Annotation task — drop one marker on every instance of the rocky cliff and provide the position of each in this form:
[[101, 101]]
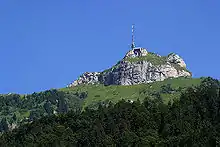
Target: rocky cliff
[[138, 66]]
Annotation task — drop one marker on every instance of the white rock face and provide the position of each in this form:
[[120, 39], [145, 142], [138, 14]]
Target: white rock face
[[87, 78], [131, 73], [174, 58], [128, 73]]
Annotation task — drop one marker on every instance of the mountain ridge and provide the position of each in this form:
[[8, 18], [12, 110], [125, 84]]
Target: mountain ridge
[[138, 66], [138, 75]]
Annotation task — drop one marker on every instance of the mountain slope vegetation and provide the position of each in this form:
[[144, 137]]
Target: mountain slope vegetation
[[169, 89], [17, 109], [191, 120]]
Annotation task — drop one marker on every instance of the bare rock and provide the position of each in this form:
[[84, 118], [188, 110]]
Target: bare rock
[[86, 78], [176, 59], [126, 72]]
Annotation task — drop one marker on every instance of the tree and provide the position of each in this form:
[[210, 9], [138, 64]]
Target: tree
[[4, 125], [166, 89]]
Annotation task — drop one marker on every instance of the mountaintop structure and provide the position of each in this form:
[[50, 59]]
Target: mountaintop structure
[[138, 66]]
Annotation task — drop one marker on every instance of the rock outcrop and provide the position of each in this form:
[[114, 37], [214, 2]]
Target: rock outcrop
[[87, 78], [174, 58], [138, 66]]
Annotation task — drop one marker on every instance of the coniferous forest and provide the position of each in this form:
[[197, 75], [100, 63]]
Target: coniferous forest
[[192, 120]]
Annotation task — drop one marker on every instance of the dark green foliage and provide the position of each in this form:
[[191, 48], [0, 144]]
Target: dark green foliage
[[62, 105], [19, 109], [48, 107], [83, 95], [4, 125], [166, 89], [14, 118], [191, 121]]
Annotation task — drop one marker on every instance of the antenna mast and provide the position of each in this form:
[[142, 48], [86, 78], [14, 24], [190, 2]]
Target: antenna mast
[[133, 44]]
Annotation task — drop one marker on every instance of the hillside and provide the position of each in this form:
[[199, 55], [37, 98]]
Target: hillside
[[17, 109], [193, 120], [168, 89], [138, 80], [140, 74]]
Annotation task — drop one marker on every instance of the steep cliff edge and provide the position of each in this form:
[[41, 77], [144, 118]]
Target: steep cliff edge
[[137, 67]]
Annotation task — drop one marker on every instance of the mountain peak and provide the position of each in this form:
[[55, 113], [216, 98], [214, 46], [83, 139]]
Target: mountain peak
[[138, 66]]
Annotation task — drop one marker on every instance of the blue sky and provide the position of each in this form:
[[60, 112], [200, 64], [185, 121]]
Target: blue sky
[[48, 44]]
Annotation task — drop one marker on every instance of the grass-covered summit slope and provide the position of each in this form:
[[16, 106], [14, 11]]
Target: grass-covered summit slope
[[168, 89], [155, 60], [151, 57]]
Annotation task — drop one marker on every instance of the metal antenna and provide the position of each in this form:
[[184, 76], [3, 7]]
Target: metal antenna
[[133, 44]]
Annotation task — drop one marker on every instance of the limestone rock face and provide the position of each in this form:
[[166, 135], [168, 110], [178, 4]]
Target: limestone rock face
[[126, 72], [176, 59], [86, 78]]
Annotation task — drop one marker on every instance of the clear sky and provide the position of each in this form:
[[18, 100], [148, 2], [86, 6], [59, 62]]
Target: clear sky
[[47, 44]]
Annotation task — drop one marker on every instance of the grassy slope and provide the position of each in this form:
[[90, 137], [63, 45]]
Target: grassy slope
[[151, 57], [155, 60], [97, 93]]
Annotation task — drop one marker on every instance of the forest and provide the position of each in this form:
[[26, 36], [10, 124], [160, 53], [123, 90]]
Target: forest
[[191, 120]]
